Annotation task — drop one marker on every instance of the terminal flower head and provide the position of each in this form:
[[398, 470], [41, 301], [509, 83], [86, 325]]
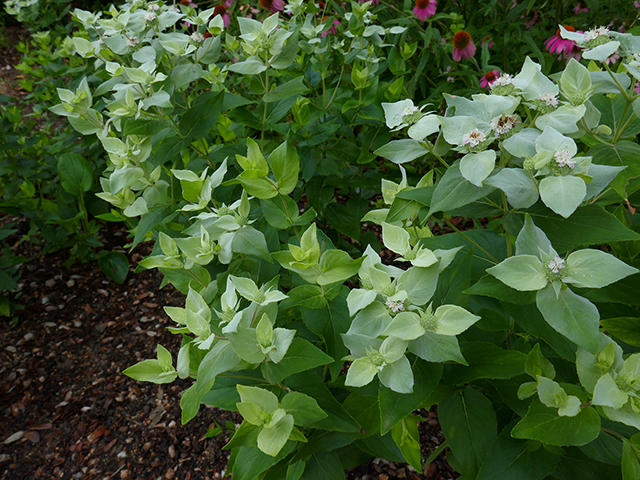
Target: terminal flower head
[[564, 47], [488, 78], [424, 9], [463, 46], [272, 5]]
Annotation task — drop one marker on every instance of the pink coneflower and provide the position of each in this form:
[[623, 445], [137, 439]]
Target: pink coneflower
[[488, 41], [463, 46], [331, 30], [424, 9], [488, 78], [563, 47], [273, 5], [223, 9], [580, 8]]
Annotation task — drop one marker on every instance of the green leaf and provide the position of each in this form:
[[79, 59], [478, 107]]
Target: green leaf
[[486, 360], [626, 329], [406, 436], [323, 466], [563, 194], [511, 459], [150, 371], [115, 265], [305, 410], [545, 425], [420, 283], [489, 286], [401, 151], [250, 241], [401, 209], [590, 268], [300, 356], [522, 272], [453, 191], [200, 119], [309, 296], [272, 439], [312, 384], [395, 406], [292, 87], [532, 321], [337, 266], [285, 165], [221, 358], [280, 212], [623, 153], [521, 189], [476, 167], [76, 174], [571, 315], [590, 225], [250, 462], [469, 424], [630, 463]]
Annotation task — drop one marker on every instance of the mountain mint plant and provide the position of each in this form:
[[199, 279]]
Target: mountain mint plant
[[250, 154]]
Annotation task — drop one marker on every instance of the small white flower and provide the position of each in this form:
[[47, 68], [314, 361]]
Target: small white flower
[[502, 81], [548, 99], [395, 305], [197, 37], [132, 41], [154, 7], [410, 110], [564, 158], [473, 139], [595, 33], [149, 16], [503, 124], [556, 264]]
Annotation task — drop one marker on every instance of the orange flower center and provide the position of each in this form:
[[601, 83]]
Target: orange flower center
[[461, 40], [185, 2], [490, 76], [266, 4], [422, 4], [566, 27], [219, 10]]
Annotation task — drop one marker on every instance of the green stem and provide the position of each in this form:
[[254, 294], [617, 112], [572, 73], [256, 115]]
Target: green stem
[[435, 453]]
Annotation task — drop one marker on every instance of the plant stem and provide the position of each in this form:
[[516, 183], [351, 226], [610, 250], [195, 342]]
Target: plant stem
[[435, 453]]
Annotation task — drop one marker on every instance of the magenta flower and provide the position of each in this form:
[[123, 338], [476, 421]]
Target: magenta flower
[[273, 5], [563, 47], [488, 41], [488, 78], [463, 46], [223, 10], [424, 9]]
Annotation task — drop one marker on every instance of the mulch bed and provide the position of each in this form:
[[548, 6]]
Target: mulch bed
[[67, 411]]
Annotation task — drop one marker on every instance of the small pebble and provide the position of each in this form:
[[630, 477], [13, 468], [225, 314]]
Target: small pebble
[[45, 300], [50, 283], [77, 324], [28, 336]]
